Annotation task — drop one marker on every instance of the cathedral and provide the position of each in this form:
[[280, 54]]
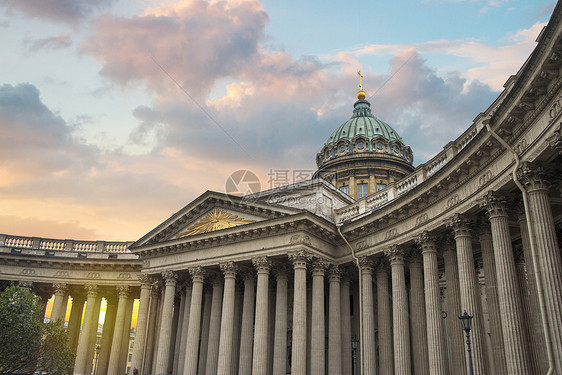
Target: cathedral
[[363, 269]]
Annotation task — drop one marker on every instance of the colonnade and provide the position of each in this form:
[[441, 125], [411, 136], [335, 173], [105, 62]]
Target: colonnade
[[297, 313]]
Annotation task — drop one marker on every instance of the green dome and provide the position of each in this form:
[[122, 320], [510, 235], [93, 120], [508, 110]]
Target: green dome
[[364, 134]]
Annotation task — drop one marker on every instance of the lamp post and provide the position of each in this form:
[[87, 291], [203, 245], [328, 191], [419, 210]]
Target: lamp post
[[354, 343], [97, 357], [466, 321]]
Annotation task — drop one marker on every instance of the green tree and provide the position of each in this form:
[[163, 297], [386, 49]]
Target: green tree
[[21, 330], [26, 343]]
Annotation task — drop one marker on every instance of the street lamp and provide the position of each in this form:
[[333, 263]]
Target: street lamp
[[466, 321], [354, 343], [97, 357]]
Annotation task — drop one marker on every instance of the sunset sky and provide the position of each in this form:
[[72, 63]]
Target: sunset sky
[[114, 114]]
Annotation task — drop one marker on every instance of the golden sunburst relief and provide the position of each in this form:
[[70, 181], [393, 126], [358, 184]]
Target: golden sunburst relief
[[217, 219]]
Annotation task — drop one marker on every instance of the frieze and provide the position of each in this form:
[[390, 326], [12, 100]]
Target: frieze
[[390, 234], [421, 219], [485, 178], [555, 109], [361, 245], [62, 274], [299, 239], [453, 201], [93, 275], [124, 276], [28, 272]]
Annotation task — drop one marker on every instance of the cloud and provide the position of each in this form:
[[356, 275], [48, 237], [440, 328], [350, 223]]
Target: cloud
[[35, 141], [493, 64], [195, 42], [55, 42], [58, 10]]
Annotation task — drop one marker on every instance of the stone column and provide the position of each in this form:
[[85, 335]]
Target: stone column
[[513, 329], [185, 326], [469, 291], [494, 317], [334, 324], [194, 326], [179, 305], [107, 336], [115, 356], [418, 325], [229, 270], [259, 357], [368, 347], [386, 354], [399, 311], [89, 327], [126, 335], [181, 329], [142, 323], [299, 344], [537, 183], [151, 336], [215, 326], [75, 319], [247, 329], [238, 296], [93, 335], [318, 329], [59, 304], [280, 343], [164, 339], [435, 332], [345, 308], [528, 287], [453, 296], [205, 326]]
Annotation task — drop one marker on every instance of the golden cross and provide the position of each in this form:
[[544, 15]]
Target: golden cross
[[360, 76]]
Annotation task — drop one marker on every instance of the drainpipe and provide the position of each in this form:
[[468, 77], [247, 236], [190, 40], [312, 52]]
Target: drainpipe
[[536, 269], [361, 369]]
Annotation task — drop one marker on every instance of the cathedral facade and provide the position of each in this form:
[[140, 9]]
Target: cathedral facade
[[366, 267]]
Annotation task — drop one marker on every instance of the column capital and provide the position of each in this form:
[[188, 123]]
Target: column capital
[[197, 273], [518, 253], [479, 265], [414, 257], [247, 273], [460, 225], [395, 254], [281, 270], [300, 258], [123, 291], [91, 290], [366, 264], [25, 284], [262, 264], [60, 288], [495, 204], [534, 177], [382, 265], [484, 229], [170, 277], [319, 266], [229, 269], [145, 280], [335, 273], [426, 242]]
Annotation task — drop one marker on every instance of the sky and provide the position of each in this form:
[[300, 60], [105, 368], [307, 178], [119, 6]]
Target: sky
[[114, 114]]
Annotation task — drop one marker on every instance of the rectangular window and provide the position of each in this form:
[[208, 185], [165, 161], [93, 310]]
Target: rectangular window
[[345, 189], [380, 187], [362, 190]]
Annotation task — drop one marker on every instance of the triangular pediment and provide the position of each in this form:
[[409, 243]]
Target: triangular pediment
[[216, 219], [212, 212]]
